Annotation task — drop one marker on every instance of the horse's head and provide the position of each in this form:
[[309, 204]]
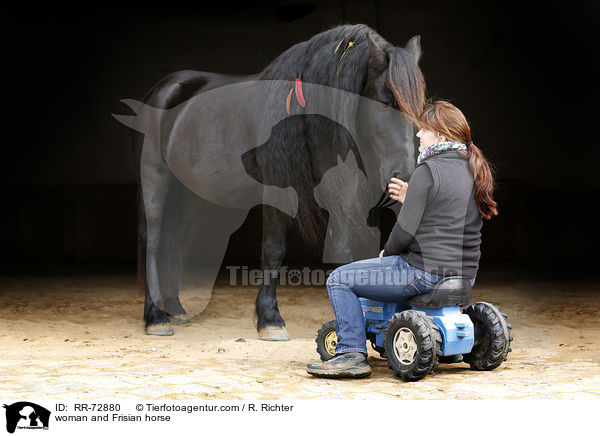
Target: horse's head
[[395, 81]]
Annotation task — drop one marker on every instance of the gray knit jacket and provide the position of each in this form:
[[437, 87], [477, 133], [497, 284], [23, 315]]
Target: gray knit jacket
[[439, 225]]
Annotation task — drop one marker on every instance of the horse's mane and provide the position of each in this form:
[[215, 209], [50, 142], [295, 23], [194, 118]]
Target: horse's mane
[[316, 61]]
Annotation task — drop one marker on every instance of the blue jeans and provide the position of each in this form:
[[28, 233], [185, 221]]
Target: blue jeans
[[388, 278]]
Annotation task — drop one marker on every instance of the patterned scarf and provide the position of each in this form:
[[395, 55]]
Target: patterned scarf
[[434, 149]]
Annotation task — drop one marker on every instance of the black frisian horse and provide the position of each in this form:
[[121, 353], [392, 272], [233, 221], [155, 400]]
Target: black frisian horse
[[350, 58]]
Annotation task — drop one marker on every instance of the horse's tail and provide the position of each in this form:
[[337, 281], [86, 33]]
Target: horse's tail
[[167, 93], [137, 143], [141, 235], [136, 122]]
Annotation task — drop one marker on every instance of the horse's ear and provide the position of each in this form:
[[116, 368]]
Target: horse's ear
[[413, 46], [351, 159], [377, 57]]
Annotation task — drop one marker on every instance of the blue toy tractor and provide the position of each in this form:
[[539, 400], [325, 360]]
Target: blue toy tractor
[[429, 329]]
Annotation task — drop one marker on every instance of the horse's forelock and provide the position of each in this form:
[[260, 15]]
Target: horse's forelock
[[406, 82]]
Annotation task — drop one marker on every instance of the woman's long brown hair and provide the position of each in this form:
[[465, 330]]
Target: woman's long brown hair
[[445, 119]]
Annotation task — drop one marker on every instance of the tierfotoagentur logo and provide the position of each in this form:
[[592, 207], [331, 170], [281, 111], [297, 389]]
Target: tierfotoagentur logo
[[309, 140], [244, 276], [26, 415]]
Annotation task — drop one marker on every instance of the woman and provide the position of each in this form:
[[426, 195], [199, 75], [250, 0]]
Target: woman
[[437, 234]]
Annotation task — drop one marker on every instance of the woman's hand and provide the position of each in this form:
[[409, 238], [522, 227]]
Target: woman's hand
[[381, 254], [397, 189]]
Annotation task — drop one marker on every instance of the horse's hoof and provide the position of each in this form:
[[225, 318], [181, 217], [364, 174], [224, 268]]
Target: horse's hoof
[[180, 319], [163, 329], [272, 333]]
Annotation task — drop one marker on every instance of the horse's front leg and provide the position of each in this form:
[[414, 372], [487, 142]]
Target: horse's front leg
[[271, 326]]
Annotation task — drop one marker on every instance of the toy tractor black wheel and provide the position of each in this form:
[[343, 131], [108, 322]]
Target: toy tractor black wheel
[[492, 337], [413, 345], [327, 340]]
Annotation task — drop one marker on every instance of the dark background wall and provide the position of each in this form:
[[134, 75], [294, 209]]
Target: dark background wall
[[522, 72]]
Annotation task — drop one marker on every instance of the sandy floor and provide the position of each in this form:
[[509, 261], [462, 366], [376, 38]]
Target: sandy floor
[[81, 337]]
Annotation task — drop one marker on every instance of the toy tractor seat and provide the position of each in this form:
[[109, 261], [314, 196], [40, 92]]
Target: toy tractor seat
[[450, 291]]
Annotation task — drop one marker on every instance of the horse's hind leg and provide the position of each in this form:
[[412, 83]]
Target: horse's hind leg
[[271, 326], [161, 249], [157, 320]]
